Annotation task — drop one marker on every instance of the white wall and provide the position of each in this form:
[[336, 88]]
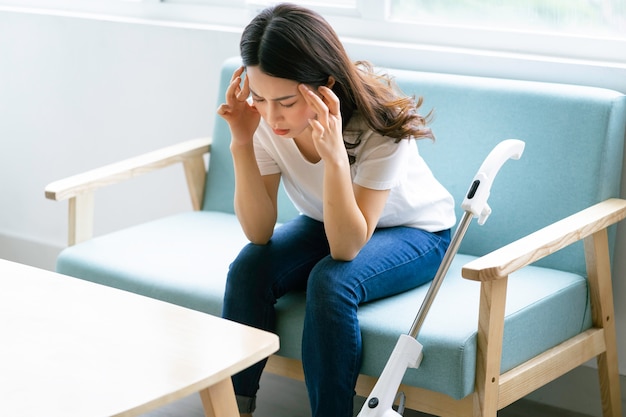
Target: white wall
[[78, 93]]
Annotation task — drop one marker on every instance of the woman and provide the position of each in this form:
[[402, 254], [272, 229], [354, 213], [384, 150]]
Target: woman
[[374, 221]]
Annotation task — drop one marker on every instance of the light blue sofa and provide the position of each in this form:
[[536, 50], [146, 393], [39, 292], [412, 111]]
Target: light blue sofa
[[572, 161]]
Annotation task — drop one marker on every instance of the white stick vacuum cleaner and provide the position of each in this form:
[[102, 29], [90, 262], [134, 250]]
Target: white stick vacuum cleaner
[[408, 351]]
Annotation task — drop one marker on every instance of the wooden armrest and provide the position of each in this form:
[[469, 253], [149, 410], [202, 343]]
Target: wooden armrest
[[501, 262], [114, 173], [80, 189]]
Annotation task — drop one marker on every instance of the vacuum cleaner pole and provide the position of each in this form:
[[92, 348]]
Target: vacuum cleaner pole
[[408, 351], [441, 273]]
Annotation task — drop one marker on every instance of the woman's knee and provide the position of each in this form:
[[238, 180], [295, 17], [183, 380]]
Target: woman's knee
[[329, 285], [245, 275], [249, 259]]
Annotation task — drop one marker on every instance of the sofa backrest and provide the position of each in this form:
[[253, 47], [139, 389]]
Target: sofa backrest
[[573, 156]]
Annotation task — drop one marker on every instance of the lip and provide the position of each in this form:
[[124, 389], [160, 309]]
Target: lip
[[281, 132]]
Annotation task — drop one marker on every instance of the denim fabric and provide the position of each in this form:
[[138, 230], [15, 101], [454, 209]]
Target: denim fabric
[[297, 258]]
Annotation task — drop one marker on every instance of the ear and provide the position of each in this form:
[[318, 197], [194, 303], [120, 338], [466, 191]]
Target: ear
[[331, 82]]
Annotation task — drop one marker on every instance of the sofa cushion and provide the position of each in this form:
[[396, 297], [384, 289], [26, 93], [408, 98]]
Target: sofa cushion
[[182, 259], [160, 259]]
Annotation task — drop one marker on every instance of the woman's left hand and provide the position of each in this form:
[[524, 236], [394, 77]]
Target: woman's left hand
[[327, 130]]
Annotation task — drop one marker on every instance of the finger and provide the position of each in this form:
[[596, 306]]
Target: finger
[[318, 128], [233, 90], [235, 81], [237, 73], [309, 95], [331, 100], [223, 109], [245, 90], [315, 102]]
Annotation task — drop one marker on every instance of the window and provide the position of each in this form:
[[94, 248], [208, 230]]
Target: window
[[595, 18], [593, 30], [589, 30]]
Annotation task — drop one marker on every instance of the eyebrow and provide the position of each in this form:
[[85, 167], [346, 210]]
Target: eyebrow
[[275, 99]]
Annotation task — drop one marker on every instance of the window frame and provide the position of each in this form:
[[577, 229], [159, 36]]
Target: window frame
[[356, 23]]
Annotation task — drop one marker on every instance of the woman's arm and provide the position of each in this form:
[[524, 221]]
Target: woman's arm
[[351, 212], [255, 196]]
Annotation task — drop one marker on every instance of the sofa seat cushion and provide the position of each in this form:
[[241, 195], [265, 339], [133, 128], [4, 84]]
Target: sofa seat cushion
[[183, 259]]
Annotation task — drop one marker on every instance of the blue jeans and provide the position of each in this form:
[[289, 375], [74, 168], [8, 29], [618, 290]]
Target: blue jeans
[[297, 257]]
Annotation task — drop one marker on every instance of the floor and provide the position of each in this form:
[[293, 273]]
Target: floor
[[292, 402]]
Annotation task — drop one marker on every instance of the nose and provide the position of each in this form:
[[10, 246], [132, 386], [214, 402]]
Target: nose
[[274, 113]]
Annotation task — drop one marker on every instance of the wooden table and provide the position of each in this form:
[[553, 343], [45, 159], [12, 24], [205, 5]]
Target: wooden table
[[73, 348]]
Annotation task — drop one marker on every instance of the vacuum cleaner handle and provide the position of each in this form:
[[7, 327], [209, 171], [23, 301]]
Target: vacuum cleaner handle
[[475, 200]]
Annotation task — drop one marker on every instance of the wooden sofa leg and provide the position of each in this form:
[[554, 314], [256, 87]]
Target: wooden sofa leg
[[601, 293], [609, 382], [490, 332]]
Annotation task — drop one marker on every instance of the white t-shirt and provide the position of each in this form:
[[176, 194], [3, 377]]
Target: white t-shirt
[[416, 198]]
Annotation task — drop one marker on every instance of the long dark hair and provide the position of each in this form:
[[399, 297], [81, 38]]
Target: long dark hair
[[292, 42]]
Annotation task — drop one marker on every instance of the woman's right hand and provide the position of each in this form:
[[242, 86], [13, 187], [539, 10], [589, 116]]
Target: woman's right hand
[[242, 117]]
